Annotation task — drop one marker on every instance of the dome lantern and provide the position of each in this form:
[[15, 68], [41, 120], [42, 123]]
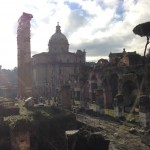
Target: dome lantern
[[58, 42], [58, 28]]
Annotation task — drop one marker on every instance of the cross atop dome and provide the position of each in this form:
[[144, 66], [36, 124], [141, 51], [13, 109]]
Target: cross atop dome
[[58, 28]]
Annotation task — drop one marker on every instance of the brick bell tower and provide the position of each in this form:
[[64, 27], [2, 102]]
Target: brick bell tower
[[24, 56]]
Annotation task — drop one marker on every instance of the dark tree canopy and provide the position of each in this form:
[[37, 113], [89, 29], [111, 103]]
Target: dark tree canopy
[[142, 29]]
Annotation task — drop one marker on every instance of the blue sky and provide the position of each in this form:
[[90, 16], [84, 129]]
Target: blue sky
[[98, 26]]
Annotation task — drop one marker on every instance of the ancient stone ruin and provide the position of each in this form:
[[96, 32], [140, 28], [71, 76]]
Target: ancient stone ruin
[[24, 56]]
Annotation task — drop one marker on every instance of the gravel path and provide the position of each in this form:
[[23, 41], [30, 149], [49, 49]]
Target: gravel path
[[119, 135]]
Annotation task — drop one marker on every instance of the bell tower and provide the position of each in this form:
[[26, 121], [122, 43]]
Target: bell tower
[[24, 56]]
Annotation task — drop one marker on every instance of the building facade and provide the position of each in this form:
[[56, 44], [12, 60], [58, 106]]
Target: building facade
[[58, 66]]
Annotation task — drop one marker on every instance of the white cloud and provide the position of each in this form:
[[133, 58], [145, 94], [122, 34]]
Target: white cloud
[[97, 26], [95, 58]]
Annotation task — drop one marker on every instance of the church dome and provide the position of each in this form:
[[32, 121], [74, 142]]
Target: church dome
[[58, 42]]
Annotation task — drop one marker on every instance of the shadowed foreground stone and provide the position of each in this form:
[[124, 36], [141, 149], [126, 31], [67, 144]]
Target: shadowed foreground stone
[[85, 140]]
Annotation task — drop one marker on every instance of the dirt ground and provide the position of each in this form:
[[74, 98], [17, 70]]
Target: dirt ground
[[122, 136]]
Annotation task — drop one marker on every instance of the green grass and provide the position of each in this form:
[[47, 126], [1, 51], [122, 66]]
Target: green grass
[[24, 115], [77, 102], [110, 112], [132, 117], [92, 106], [34, 113], [48, 113]]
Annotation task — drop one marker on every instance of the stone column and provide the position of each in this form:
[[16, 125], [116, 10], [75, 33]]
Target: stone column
[[107, 93], [24, 56], [118, 106], [65, 97], [99, 101]]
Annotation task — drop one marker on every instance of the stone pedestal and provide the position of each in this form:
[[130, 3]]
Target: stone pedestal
[[144, 110], [144, 119], [65, 97], [70, 138]]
